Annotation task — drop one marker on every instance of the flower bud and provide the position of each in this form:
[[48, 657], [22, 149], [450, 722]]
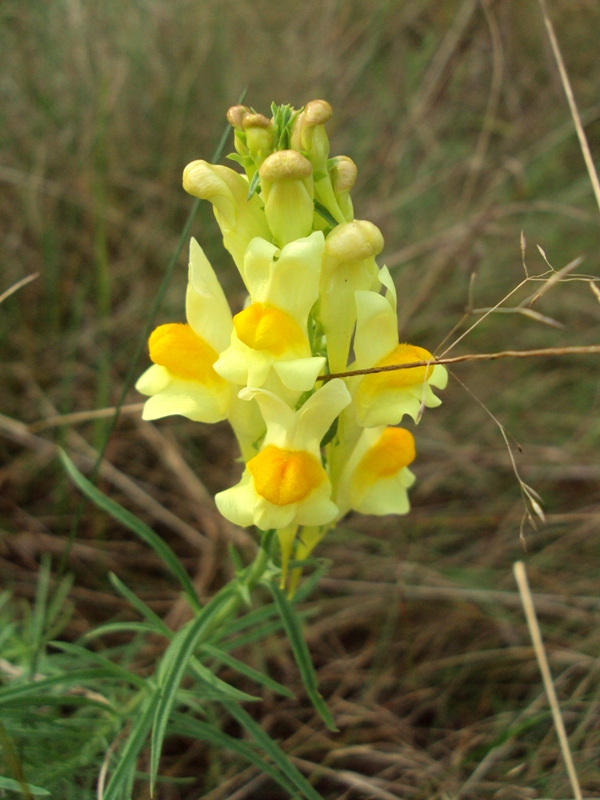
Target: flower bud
[[343, 176], [310, 137], [259, 136], [235, 115], [353, 241], [348, 266], [287, 190], [240, 219], [309, 124]]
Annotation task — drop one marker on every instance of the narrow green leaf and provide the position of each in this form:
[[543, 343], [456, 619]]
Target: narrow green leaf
[[31, 700], [141, 607], [9, 785], [327, 216], [208, 678], [74, 677], [127, 761], [254, 185], [98, 658], [272, 749], [194, 728], [249, 672], [120, 627], [175, 662], [134, 524], [291, 623]]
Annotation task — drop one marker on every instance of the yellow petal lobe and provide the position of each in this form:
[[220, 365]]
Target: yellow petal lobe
[[176, 347], [265, 327], [285, 476], [394, 450], [378, 382]]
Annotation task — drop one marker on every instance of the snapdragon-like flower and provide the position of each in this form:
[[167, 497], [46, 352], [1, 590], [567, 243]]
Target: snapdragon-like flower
[[182, 379], [285, 484], [383, 398], [315, 303], [348, 266], [240, 218], [376, 476], [271, 332]]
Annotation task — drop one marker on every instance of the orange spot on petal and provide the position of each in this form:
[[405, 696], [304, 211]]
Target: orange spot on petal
[[285, 476], [265, 327], [378, 382], [176, 347], [394, 450]]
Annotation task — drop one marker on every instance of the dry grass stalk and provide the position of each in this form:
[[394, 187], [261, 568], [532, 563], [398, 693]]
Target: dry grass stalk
[[536, 638]]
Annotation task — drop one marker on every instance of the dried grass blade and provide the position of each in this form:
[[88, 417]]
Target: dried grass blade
[[536, 638]]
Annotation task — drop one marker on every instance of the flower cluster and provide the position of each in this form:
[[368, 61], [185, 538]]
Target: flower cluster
[[318, 304]]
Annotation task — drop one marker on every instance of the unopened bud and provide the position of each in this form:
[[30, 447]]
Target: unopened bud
[[287, 190], [235, 115], [315, 113], [259, 136], [348, 266], [343, 176], [240, 219], [354, 241]]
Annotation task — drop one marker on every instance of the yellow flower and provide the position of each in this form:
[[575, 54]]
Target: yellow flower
[[348, 266], [285, 485], [182, 379], [376, 476], [271, 332], [287, 191], [384, 398], [240, 218]]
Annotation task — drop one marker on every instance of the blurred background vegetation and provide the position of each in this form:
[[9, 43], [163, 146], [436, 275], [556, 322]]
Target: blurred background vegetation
[[454, 114]]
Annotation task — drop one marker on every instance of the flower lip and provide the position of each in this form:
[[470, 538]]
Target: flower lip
[[401, 378], [394, 450], [283, 476], [183, 353], [262, 326]]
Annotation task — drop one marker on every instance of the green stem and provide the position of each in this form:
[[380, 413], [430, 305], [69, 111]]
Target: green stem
[[247, 581]]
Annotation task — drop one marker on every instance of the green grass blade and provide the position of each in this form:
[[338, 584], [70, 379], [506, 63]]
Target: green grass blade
[[9, 785], [126, 766], [272, 749], [196, 729], [249, 672], [134, 524], [292, 626]]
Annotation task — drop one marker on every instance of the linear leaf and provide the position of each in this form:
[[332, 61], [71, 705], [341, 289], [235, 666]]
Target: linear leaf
[[175, 662], [272, 749], [139, 605], [117, 669], [186, 726], [291, 623], [12, 693], [249, 672], [146, 534], [119, 627], [9, 785], [126, 766]]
